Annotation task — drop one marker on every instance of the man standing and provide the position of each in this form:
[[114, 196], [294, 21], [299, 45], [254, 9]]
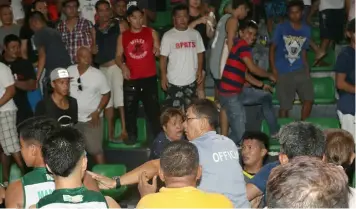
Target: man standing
[[75, 31], [147, 6], [184, 48], [8, 25], [288, 58], [59, 106], [52, 52], [139, 45], [107, 33], [89, 87]]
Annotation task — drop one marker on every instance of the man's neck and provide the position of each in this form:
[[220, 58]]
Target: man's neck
[[70, 182], [58, 98], [7, 25], [181, 29], [133, 30], [296, 25], [180, 182], [8, 58], [104, 24], [72, 19], [39, 163], [253, 169], [82, 68]]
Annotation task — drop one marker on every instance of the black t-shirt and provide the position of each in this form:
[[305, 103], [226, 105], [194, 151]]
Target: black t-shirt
[[68, 117], [22, 71], [201, 28]]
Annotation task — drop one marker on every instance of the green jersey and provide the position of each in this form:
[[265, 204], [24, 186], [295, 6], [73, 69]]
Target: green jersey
[[73, 198], [36, 184]]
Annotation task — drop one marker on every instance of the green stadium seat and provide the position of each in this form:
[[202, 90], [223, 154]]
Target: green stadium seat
[[329, 59], [273, 144], [111, 170], [141, 138], [161, 93], [163, 20], [15, 173], [325, 123], [315, 34]]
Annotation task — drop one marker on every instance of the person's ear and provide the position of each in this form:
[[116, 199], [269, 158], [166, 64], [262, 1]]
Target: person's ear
[[348, 34], [84, 165], [352, 158], [264, 152], [199, 172], [34, 150], [164, 128], [49, 170], [283, 158], [52, 84], [161, 174]]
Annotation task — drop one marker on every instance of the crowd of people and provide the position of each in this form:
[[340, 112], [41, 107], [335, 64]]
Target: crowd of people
[[68, 65]]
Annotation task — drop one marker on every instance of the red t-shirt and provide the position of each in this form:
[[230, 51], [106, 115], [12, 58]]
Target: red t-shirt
[[138, 51]]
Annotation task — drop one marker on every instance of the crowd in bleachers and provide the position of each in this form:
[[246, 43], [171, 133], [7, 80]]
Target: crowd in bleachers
[[80, 76]]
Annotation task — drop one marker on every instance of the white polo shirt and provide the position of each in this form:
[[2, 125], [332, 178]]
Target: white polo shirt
[[6, 80], [331, 4], [182, 48], [94, 85]]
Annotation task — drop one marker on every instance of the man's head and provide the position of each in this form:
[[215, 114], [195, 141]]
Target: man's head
[[121, 8], [172, 123], [179, 162], [248, 31], [103, 9], [70, 8], [295, 10], [12, 45], [64, 153], [201, 116], [239, 9], [6, 15], [340, 148], [307, 183], [180, 16], [254, 148], [60, 81], [33, 132], [300, 139], [135, 17], [40, 6], [37, 21], [350, 31], [84, 56]]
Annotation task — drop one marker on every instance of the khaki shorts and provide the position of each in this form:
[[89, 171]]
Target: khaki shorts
[[93, 137], [114, 77], [8, 133]]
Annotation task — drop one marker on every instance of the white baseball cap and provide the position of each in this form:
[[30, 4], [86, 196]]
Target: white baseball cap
[[59, 73]]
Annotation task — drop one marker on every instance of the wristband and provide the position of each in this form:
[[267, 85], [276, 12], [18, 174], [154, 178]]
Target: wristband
[[118, 184]]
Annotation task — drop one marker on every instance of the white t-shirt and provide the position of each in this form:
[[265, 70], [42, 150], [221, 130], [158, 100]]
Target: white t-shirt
[[6, 80], [94, 85], [87, 9], [307, 2], [17, 10], [182, 48], [331, 4], [352, 198], [352, 10]]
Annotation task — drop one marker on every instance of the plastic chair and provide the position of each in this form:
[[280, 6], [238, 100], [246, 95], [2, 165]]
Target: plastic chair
[[15, 173], [325, 123], [329, 59], [111, 170], [324, 90], [273, 144], [163, 20]]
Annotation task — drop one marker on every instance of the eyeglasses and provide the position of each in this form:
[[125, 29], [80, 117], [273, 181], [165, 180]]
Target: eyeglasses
[[80, 88]]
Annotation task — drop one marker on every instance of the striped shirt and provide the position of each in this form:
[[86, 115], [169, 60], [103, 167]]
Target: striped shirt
[[233, 77]]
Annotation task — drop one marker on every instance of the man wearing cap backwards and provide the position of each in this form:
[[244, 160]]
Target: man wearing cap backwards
[[59, 105]]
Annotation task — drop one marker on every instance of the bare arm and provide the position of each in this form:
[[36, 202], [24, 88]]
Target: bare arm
[[8, 95], [342, 84], [252, 192], [254, 69], [123, 26], [347, 7], [111, 202], [93, 38], [305, 60], [210, 32], [28, 85], [41, 61], [151, 168], [231, 29], [272, 50], [252, 80], [163, 65], [14, 195], [119, 52], [90, 183], [24, 54], [104, 101], [150, 15], [156, 43], [200, 61]]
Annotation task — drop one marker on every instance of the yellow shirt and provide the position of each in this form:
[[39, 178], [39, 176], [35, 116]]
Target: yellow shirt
[[186, 197]]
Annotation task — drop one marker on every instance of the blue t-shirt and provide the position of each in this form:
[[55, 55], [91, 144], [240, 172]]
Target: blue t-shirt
[[261, 178], [345, 63], [289, 46]]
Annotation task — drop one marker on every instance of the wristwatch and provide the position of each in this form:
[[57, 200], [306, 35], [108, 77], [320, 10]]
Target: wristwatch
[[117, 179], [99, 110]]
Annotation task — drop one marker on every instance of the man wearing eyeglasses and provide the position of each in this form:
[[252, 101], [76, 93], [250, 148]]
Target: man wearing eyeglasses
[[90, 88]]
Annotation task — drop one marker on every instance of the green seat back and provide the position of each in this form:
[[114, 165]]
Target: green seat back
[[329, 59], [315, 34], [325, 123], [324, 90], [163, 20], [15, 173], [111, 170], [273, 144]]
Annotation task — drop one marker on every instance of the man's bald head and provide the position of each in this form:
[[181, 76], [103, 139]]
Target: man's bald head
[[84, 56]]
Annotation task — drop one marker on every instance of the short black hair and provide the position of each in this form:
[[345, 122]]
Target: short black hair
[[259, 136], [37, 129], [295, 3], [133, 9], [351, 26], [236, 3], [179, 158], [63, 150], [36, 15], [180, 7], [100, 2], [37, 1], [206, 108], [5, 6], [248, 24], [64, 3], [10, 38]]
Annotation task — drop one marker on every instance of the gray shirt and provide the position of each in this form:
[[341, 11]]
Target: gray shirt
[[217, 46], [222, 173], [4, 31]]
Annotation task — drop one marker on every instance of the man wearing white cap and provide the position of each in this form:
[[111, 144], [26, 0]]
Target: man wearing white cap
[[59, 105]]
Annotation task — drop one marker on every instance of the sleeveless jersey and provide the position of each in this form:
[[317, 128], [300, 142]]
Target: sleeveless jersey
[[138, 50], [79, 198], [218, 45], [36, 185]]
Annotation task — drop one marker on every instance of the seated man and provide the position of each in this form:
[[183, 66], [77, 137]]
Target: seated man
[[65, 157], [38, 183], [180, 170], [307, 182], [172, 124]]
